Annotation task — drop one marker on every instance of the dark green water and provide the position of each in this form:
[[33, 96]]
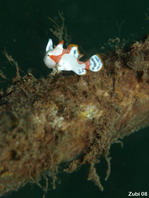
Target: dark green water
[[24, 31]]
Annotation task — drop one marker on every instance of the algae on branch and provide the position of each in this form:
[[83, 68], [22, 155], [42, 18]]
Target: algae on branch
[[72, 119]]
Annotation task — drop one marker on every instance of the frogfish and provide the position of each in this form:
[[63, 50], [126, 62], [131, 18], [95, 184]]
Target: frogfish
[[60, 59]]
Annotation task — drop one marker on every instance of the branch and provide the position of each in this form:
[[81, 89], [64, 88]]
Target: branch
[[71, 119]]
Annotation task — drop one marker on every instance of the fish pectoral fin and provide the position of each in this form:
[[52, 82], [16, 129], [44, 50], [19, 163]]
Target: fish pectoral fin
[[79, 71]]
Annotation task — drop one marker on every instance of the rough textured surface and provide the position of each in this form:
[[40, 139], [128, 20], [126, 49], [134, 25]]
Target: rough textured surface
[[72, 119]]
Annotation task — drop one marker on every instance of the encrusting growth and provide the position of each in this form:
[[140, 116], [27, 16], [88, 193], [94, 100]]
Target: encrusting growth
[[70, 118]]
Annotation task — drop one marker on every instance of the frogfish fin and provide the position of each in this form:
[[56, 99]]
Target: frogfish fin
[[94, 63], [60, 44], [80, 71], [73, 49], [49, 45]]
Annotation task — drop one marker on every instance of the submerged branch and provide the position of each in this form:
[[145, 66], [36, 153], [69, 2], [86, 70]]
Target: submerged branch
[[72, 119]]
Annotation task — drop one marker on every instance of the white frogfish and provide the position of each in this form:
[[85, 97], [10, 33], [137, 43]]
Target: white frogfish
[[60, 59]]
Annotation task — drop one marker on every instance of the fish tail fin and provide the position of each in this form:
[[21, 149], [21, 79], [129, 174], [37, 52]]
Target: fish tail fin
[[94, 63]]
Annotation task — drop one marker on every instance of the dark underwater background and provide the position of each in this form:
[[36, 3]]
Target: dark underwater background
[[24, 32]]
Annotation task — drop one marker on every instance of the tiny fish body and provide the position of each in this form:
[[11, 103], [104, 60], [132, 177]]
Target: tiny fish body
[[68, 59]]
